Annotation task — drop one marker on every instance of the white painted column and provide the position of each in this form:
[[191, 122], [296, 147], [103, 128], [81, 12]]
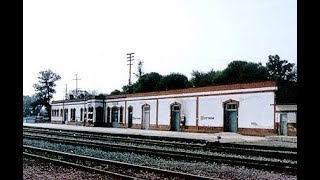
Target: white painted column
[[110, 112], [69, 115], [118, 114], [94, 114]]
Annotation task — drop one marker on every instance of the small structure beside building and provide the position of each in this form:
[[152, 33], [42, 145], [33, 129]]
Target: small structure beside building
[[247, 108], [286, 119]]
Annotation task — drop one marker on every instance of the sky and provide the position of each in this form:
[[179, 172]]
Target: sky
[[92, 38]]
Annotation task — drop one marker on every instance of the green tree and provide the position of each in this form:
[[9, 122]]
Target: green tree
[[285, 74], [280, 70], [45, 89], [27, 105], [126, 89], [83, 94], [116, 92], [243, 71], [202, 79], [147, 83], [173, 81], [287, 92]]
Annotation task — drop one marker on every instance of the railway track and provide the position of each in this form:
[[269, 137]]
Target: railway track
[[242, 161], [252, 150], [119, 170]]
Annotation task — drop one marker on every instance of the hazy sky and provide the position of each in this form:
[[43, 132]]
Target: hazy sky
[[92, 38]]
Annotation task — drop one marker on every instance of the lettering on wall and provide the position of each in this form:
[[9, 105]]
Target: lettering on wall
[[206, 117], [135, 118]]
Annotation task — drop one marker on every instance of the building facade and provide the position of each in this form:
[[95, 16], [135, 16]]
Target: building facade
[[247, 108]]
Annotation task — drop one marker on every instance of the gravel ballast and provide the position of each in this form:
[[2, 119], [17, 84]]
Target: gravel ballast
[[199, 168], [34, 169]]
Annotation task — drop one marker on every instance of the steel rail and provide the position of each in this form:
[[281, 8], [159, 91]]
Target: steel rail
[[138, 168], [264, 164]]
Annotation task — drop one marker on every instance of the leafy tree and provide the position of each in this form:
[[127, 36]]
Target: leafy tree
[[285, 74], [83, 94], [287, 92], [202, 79], [147, 82], [280, 70], [126, 89], [243, 71], [216, 76], [45, 89], [173, 81], [28, 109], [115, 92]]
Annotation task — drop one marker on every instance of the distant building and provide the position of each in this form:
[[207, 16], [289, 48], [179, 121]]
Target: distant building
[[247, 108]]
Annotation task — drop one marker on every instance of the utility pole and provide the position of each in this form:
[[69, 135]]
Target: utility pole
[[66, 96], [76, 85], [130, 57]]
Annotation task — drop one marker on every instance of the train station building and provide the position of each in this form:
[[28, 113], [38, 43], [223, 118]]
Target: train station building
[[247, 108]]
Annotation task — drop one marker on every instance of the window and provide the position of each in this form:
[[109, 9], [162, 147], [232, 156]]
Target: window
[[231, 106], [146, 108], [73, 114], [176, 108]]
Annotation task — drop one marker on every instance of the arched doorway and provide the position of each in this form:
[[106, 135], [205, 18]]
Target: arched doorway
[[114, 117], [99, 116], [145, 116], [65, 117], [108, 116], [130, 115], [175, 109], [230, 115]]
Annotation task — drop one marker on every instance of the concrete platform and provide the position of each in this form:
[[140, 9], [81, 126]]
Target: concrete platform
[[292, 139], [226, 137]]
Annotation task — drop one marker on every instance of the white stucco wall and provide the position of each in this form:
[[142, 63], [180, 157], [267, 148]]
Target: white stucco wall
[[57, 118], [137, 111], [77, 105], [256, 110], [210, 106], [188, 108], [112, 104]]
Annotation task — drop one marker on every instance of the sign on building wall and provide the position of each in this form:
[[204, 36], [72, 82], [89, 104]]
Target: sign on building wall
[[206, 118]]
